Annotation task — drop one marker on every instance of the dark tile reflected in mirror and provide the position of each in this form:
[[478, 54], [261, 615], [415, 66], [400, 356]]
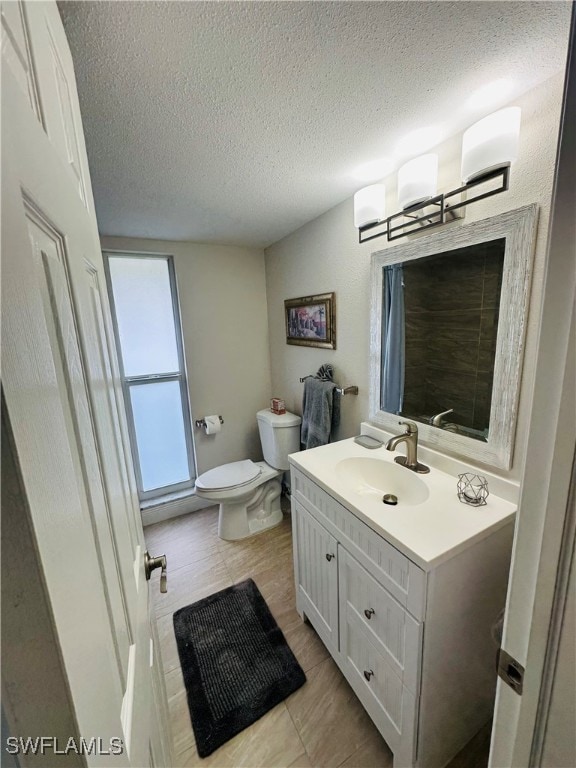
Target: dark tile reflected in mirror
[[450, 309]]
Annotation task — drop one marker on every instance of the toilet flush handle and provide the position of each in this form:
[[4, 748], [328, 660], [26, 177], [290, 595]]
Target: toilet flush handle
[[150, 563]]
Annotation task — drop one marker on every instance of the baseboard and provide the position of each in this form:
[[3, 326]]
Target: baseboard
[[175, 508]]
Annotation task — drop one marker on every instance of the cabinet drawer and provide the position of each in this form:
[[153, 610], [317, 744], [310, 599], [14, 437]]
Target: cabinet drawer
[[404, 580], [393, 631], [390, 704]]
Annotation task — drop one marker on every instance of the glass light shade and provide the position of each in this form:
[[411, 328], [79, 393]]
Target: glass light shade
[[417, 180], [491, 143], [369, 205]]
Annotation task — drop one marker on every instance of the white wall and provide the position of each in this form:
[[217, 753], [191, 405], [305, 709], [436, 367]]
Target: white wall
[[324, 255], [222, 292]]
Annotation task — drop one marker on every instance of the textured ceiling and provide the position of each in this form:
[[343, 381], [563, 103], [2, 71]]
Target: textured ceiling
[[238, 122]]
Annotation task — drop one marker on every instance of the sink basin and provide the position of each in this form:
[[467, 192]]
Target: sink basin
[[375, 477]]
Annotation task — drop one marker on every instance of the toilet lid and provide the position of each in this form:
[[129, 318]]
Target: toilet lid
[[229, 475]]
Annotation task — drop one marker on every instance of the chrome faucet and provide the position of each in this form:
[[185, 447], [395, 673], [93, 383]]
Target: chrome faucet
[[436, 421], [410, 437]]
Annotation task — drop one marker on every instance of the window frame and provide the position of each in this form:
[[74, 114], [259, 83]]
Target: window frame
[[129, 381]]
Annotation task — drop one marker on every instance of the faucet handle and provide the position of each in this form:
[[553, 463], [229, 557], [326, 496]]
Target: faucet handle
[[436, 420], [412, 428]]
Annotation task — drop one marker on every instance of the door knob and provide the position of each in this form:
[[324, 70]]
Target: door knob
[[369, 612], [329, 557], [150, 563], [368, 674]]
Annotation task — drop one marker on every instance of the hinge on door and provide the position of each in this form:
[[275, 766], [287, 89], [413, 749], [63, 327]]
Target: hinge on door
[[510, 671]]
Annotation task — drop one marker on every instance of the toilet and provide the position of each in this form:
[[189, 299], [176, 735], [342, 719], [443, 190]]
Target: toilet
[[248, 492]]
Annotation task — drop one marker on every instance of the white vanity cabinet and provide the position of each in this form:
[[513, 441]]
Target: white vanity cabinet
[[414, 644]]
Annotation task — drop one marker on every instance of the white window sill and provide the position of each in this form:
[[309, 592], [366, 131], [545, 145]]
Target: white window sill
[[171, 505], [167, 498]]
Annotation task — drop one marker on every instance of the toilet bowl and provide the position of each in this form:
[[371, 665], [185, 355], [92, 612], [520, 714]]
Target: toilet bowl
[[248, 492]]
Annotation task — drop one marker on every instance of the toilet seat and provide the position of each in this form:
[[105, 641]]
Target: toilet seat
[[233, 475]]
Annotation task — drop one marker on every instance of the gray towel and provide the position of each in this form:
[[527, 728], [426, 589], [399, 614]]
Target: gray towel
[[320, 412], [325, 372]]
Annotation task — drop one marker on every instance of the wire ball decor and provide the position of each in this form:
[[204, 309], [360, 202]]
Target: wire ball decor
[[472, 489]]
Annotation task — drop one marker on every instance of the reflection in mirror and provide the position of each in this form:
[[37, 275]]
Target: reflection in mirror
[[447, 334], [439, 329]]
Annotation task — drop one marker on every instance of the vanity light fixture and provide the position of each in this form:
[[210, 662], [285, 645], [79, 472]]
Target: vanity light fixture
[[489, 147], [490, 143], [417, 181], [369, 205]]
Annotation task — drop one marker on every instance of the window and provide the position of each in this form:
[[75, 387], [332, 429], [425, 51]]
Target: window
[[144, 305]]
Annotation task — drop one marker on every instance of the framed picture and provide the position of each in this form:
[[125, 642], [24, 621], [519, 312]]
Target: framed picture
[[311, 321]]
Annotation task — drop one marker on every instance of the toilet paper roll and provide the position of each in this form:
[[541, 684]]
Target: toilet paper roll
[[213, 425]]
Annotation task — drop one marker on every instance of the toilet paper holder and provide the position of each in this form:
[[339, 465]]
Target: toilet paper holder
[[201, 423]]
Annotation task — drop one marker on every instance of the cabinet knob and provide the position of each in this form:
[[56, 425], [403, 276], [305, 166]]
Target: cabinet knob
[[369, 612], [368, 674], [329, 557]]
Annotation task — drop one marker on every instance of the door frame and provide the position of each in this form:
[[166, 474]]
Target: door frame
[[544, 541]]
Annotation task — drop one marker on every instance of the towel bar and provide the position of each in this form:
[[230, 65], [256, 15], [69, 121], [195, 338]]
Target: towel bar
[[347, 390], [341, 390]]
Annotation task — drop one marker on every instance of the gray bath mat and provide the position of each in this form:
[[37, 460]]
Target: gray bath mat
[[235, 661]]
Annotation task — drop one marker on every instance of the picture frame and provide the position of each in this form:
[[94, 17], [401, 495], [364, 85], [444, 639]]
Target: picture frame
[[311, 321]]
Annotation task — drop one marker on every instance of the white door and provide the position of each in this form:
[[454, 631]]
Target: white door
[[62, 394]]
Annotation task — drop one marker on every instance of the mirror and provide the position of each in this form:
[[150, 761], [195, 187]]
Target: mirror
[[438, 344], [447, 332]]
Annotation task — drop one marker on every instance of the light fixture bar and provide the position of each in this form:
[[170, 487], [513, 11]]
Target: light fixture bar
[[417, 223], [503, 173], [429, 219], [373, 236]]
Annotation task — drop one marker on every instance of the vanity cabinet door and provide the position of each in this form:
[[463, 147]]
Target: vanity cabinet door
[[317, 574]]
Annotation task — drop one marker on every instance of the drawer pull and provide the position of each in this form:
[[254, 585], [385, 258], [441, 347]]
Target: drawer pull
[[329, 557], [369, 612], [368, 674]]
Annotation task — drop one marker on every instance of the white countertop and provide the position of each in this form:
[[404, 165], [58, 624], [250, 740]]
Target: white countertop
[[428, 533]]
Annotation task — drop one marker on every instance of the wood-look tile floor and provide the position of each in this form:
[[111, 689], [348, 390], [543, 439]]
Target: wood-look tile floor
[[322, 725]]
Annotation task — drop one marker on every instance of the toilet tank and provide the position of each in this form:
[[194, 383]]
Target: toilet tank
[[279, 436]]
